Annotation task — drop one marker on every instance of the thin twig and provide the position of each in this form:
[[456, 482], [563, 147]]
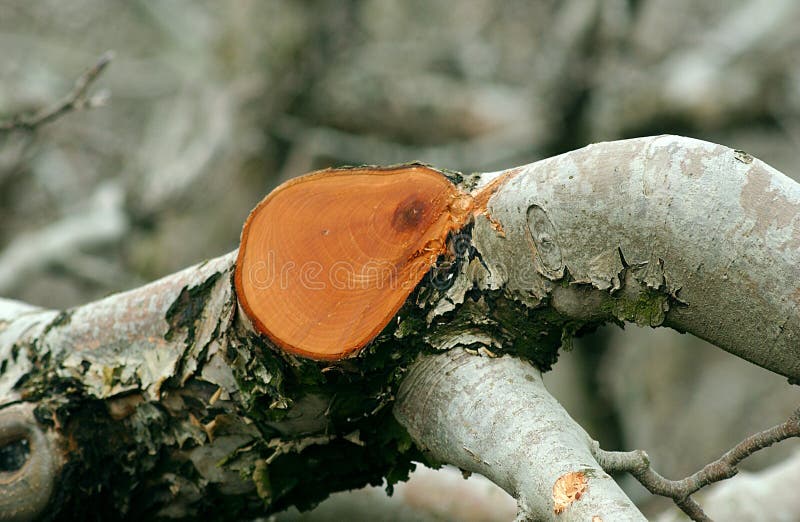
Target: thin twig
[[75, 100], [637, 463]]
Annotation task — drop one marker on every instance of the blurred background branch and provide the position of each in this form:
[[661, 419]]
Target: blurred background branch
[[77, 99]]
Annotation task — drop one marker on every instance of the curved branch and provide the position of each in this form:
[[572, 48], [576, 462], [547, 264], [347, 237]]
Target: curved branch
[[494, 416], [661, 231], [748, 495]]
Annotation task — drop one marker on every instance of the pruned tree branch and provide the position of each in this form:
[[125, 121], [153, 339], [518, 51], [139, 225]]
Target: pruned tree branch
[[637, 463], [77, 99], [204, 413]]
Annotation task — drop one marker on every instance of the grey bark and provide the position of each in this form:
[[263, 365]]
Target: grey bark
[[661, 230], [162, 401], [494, 416]]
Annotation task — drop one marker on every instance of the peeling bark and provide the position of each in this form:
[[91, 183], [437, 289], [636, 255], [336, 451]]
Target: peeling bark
[[164, 402]]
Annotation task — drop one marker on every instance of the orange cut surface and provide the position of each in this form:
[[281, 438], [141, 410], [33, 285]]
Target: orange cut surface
[[327, 260]]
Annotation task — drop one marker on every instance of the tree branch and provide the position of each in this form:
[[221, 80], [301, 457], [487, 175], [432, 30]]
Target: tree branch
[[662, 230], [200, 409], [494, 416], [748, 495], [77, 99], [637, 463]]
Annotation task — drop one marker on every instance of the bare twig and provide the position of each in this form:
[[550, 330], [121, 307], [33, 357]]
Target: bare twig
[[76, 99], [637, 463], [748, 496]]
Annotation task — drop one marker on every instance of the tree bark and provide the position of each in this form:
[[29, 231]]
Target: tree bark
[[162, 401], [493, 416], [662, 230]]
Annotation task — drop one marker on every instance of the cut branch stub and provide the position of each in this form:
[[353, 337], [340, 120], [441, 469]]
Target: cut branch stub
[[327, 260]]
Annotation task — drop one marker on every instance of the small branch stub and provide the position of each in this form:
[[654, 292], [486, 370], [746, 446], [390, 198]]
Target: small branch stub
[[567, 489]]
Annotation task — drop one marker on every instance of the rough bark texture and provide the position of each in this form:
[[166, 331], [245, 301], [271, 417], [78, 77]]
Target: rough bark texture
[[163, 402]]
